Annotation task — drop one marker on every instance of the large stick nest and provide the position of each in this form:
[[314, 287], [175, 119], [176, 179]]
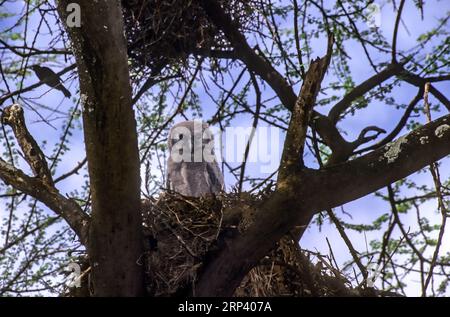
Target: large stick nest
[[180, 232], [166, 30]]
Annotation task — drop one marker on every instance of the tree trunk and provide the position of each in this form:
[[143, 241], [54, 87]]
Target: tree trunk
[[115, 242]]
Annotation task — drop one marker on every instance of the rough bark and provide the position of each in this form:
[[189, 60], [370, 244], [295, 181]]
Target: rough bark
[[292, 158], [115, 237]]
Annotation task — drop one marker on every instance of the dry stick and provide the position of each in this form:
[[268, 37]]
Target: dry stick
[[277, 39], [332, 257], [358, 35], [347, 241], [336, 221], [252, 134], [441, 205], [394, 37], [216, 117], [389, 259], [297, 40], [64, 137], [386, 238], [292, 156], [410, 243], [32, 50], [73, 171]]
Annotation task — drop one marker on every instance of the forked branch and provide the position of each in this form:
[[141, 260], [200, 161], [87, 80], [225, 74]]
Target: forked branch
[[41, 186]]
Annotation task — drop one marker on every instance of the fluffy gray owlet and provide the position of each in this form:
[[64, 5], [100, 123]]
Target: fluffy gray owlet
[[192, 166]]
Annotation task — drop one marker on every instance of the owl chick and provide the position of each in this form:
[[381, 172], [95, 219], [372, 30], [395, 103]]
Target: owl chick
[[192, 166]]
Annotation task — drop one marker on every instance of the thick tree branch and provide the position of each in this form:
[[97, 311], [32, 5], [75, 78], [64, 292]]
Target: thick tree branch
[[339, 108], [381, 167], [40, 187], [13, 116], [286, 209], [292, 157], [65, 207]]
